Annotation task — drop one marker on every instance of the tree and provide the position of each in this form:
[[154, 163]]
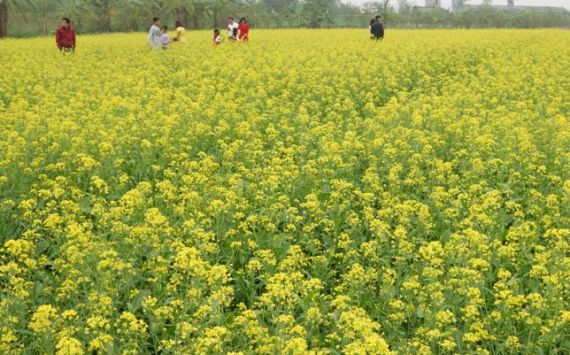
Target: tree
[[179, 11], [264, 15], [387, 11], [350, 14], [197, 12], [318, 12], [11, 6], [281, 10], [3, 19], [103, 10], [416, 17], [458, 5], [499, 19], [382, 8], [514, 18], [129, 14], [328, 18], [463, 19], [219, 10], [405, 7], [371, 8], [251, 9], [187, 11], [43, 7], [485, 15], [300, 16], [76, 10]]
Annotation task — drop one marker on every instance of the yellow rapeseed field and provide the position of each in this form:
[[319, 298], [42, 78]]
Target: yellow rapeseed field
[[312, 192]]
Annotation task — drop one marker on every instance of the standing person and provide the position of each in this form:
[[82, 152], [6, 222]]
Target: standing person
[[243, 29], [378, 29], [232, 29], [180, 33], [372, 22], [164, 38], [217, 39], [154, 34], [65, 36]]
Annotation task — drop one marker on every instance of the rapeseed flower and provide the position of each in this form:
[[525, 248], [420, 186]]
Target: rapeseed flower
[[326, 195]]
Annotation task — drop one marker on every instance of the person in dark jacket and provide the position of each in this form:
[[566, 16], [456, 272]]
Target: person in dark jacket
[[65, 36], [378, 29]]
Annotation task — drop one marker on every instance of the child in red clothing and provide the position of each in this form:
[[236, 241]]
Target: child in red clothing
[[243, 29], [217, 39]]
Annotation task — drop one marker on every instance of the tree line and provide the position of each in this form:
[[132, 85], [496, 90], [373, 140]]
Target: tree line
[[36, 17]]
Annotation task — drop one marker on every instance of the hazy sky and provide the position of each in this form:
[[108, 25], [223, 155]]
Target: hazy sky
[[563, 3], [447, 3]]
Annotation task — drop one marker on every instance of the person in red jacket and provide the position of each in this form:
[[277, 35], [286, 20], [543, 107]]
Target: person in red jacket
[[65, 36], [243, 29]]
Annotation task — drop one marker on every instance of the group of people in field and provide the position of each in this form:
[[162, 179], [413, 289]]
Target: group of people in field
[[236, 31], [158, 36]]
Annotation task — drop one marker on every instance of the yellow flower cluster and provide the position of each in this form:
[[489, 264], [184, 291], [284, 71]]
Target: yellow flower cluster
[[311, 192]]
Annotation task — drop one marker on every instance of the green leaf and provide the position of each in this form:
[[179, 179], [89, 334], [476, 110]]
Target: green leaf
[[41, 246], [136, 304], [110, 348], [37, 290]]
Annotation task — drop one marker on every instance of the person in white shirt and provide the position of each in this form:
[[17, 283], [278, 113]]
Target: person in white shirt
[[232, 29], [154, 34]]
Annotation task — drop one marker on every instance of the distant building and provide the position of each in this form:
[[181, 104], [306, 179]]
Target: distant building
[[542, 9], [433, 3], [431, 6]]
